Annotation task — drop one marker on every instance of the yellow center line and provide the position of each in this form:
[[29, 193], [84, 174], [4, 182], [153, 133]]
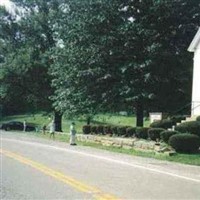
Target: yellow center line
[[97, 193]]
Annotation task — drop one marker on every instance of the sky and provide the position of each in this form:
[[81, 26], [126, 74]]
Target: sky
[[6, 3], [10, 7]]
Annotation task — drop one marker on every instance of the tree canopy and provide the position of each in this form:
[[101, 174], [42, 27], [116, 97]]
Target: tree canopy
[[90, 56]]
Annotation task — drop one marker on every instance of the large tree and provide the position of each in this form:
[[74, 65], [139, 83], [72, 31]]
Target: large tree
[[111, 55], [130, 53], [31, 34], [83, 67]]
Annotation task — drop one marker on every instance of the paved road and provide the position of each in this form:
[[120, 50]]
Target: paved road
[[34, 168]]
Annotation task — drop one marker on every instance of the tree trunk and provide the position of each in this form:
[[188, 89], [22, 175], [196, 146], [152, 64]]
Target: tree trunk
[[88, 120], [139, 113], [58, 121]]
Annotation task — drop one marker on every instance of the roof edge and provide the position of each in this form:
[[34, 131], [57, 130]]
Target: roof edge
[[194, 42]]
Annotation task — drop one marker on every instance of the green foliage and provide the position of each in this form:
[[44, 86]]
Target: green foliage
[[185, 143], [198, 118], [26, 67], [177, 118], [107, 130], [93, 129], [142, 132], [99, 55], [154, 133], [86, 129], [121, 130], [125, 59], [165, 123], [100, 129], [131, 131], [165, 135], [114, 130], [192, 127]]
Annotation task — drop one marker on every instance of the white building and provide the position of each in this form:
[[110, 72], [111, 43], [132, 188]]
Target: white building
[[195, 47]]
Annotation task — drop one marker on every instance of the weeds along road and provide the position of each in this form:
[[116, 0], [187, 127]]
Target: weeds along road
[[34, 168]]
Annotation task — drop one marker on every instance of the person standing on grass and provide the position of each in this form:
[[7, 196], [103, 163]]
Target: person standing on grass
[[72, 134], [52, 129], [44, 128]]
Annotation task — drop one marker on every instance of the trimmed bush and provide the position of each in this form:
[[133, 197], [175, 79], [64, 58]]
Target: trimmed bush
[[165, 135], [86, 129], [177, 118], [142, 132], [93, 130], [100, 129], [114, 130], [192, 127], [121, 130], [154, 133], [165, 123], [107, 130], [130, 131], [198, 119], [185, 143]]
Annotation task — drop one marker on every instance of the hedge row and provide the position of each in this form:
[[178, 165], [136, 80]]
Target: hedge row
[[125, 131], [181, 142], [167, 123], [165, 135], [185, 142], [192, 127], [185, 138]]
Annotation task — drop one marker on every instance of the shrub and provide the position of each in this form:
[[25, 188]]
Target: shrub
[[192, 127], [100, 129], [93, 129], [177, 118], [165, 135], [114, 130], [165, 123], [142, 132], [107, 130], [198, 119], [130, 131], [121, 130], [86, 129], [185, 142], [154, 133]]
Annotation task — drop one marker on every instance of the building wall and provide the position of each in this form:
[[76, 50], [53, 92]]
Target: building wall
[[196, 84]]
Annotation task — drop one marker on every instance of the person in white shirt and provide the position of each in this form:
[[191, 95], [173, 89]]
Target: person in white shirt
[[24, 124], [72, 134], [52, 129]]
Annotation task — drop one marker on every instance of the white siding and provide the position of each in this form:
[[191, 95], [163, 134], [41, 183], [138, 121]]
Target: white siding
[[196, 84]]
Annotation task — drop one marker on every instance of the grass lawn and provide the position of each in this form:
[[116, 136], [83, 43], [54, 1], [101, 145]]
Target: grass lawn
[[40, 119]]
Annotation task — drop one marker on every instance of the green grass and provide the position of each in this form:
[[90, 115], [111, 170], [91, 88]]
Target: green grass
[[40, 119], [114, 119]]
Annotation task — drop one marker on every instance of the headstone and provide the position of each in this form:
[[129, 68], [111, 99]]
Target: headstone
[[155, 116]]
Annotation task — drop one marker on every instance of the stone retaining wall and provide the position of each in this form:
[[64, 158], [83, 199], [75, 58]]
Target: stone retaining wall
[[126, 143]]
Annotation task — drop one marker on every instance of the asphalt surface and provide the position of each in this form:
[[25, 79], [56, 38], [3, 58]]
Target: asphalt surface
[[34, 169]]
